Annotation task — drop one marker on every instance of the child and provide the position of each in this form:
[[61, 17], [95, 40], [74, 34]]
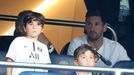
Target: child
[[19, 31], [27, 48], [85, 56]]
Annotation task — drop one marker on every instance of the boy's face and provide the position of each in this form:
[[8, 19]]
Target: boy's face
[[86, 59], [33, 29]]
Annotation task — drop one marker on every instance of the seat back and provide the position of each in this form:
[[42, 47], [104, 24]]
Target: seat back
[[62, 60], [64, 49], [3, 58], [126, 65], [110, 33], [37, 73]]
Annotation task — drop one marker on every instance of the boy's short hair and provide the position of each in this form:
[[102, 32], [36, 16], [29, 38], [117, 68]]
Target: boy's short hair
[[34, 17], [82, 49]]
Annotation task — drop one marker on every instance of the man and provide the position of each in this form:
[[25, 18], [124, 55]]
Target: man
[[94, 30]]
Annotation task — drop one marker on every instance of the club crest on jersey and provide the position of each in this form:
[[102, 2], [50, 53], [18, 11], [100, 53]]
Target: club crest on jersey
[[39, 49], [34, 55]]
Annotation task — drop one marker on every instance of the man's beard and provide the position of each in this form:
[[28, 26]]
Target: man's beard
[[92, 36]]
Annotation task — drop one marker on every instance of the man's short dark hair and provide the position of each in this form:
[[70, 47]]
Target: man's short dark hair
[[95, 13]]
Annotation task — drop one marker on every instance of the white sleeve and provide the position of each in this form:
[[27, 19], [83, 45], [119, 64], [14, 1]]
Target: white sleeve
[[72, 46], [122, 53], [47, 56], [75, 43], [13, 48]]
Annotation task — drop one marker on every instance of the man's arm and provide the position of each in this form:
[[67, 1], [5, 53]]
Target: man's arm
[[72, 46]]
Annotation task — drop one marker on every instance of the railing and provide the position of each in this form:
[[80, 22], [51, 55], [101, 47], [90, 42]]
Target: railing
[[67, 67], [58, 22]]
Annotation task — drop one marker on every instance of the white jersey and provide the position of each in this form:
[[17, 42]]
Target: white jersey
[[110, 49], [26, 50]]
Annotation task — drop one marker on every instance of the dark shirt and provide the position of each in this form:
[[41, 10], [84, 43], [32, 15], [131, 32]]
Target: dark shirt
[[74, 73]]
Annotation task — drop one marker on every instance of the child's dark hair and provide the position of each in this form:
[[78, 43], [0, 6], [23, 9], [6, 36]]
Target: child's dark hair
[[82, 49], [19, 31], [34, 17]]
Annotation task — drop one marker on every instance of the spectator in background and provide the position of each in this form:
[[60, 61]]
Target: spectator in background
[[19, 31], [94, 30], [26, 47]]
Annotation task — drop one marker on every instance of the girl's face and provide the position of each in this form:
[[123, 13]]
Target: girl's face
[[33, 29], [86, 59]]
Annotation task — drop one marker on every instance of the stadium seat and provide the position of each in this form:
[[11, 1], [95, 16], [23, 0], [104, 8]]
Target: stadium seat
[[125, 65], [61, 60]]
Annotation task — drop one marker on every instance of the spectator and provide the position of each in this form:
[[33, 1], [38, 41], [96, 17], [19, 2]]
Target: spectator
[[94, 30], [85, 56], [26, 48], [20, 32]]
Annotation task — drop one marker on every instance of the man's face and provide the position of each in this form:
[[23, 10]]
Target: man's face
[[94, 28]]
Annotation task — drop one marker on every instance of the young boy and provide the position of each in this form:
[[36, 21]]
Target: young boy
[[85, 56], [27, 48]]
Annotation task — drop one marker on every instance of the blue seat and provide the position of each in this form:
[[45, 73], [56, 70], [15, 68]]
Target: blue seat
[[62, 60], [125, 65], [3, 58], [64, 49], [37, 73]]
